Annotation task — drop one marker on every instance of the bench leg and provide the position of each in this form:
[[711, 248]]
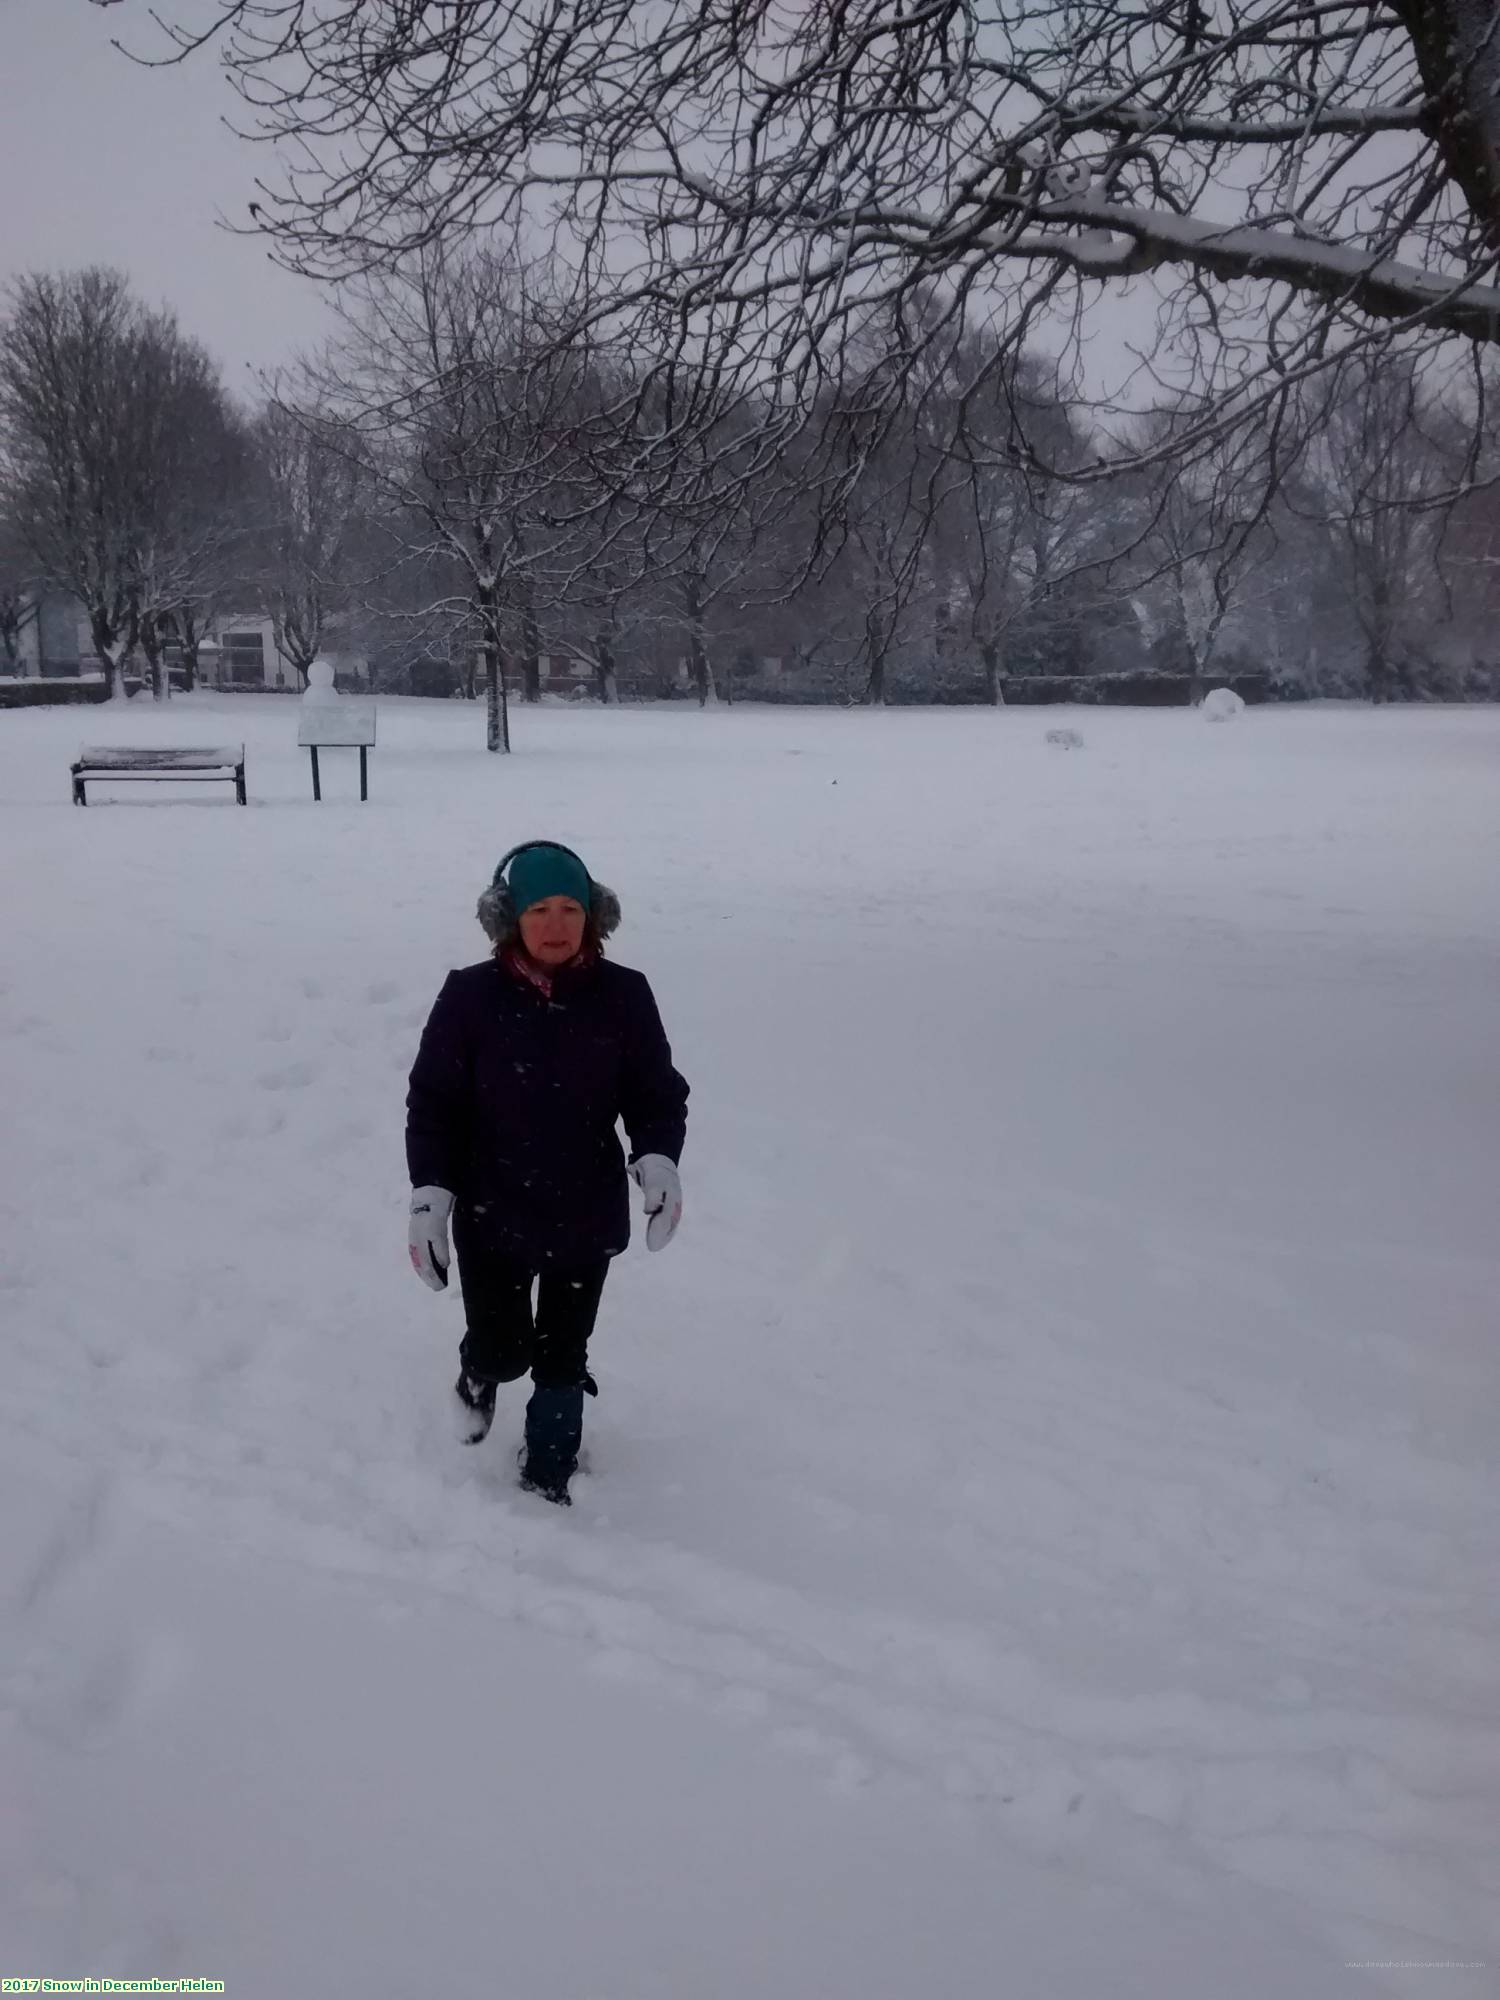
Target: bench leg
[[364, 783], [317, 788], [78, 794], [239, 784]]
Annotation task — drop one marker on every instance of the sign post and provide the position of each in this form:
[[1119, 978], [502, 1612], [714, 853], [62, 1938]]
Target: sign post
[[331, 721]]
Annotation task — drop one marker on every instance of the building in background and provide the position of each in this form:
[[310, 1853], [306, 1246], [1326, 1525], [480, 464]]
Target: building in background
[[54, 643], [53, 639]]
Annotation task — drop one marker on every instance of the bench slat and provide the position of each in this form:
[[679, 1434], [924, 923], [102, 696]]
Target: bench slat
[[119, 758]]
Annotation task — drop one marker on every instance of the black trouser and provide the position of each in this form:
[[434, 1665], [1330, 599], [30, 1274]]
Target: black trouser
[[506, 1336]]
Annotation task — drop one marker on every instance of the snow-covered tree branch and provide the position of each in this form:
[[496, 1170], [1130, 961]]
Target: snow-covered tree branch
[[744, 175]]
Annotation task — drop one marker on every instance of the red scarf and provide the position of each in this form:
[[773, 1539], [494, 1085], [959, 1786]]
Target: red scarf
[[522, 965]]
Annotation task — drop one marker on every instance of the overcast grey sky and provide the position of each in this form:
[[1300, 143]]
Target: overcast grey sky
[[105, 163]]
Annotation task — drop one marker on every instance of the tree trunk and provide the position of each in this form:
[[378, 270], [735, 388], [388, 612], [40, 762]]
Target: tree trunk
[[10, 630], [994, 672], [875, 647], [1379, 633], [699, 662], [531, 647], [703, 673], [113, 648], [497, 705], [497, 712], [1377, 672], [1454, 44], [604, 667], [298, 634], [942, 645], [153, 646], [189, 639]]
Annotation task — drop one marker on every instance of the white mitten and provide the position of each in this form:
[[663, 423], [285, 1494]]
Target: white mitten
[[656, 1177], [427, 1235]]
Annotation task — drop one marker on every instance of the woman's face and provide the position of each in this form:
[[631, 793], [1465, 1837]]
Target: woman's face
[[552, 931]]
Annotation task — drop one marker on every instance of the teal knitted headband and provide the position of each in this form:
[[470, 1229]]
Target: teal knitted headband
[[545, 869]]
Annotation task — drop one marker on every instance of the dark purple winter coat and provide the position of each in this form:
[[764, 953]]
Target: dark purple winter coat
[[513, 1103]]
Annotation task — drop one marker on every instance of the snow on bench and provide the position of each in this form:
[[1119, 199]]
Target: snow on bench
[[225, 764]]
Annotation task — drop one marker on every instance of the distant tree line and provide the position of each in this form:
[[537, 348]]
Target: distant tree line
[[463, 483]]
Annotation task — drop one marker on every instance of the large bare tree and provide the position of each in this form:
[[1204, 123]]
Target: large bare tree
[[17, 594], [116, 444], [1289, 175], [1016, 536], [307, 497], [464, 416], [67, 351], [1381, 464], [13, 613], [187, 462], [1211, 536]]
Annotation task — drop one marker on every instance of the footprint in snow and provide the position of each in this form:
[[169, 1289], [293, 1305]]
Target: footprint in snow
[[232, 1358], [296, 1076], [75, 1535]]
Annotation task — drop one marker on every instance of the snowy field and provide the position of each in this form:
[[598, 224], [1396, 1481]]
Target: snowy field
[[1041, 1530]]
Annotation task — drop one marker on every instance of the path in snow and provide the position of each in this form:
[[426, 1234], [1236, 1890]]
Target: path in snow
[[1071, 1397]]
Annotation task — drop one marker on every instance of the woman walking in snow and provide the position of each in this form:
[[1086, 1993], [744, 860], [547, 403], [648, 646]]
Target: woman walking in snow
[[526, 1063]]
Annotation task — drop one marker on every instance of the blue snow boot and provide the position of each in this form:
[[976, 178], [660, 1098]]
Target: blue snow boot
[[554, 1431]]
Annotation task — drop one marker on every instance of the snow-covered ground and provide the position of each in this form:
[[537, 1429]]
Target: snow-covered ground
[[1042, 1522]]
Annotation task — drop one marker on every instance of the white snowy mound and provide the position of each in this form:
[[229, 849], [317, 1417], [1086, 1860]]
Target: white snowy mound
[[1222, 705], [1065, 739]]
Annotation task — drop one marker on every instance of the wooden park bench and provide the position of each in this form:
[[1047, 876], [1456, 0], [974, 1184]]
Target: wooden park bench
[[225, 765]]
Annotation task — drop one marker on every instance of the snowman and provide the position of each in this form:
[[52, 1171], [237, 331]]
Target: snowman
[[320, 691]]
